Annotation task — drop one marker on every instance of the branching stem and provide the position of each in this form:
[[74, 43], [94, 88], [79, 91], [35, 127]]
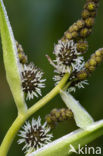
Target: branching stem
[[23, 117]]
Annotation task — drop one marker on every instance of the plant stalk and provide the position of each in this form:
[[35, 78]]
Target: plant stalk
[[8, 139]]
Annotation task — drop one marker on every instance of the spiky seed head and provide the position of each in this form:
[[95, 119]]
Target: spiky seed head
[[67, 59], [34, 135], [32, 81], [67, 56]]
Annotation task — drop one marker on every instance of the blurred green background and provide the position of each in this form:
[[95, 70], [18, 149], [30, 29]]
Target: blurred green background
[[37, 25]]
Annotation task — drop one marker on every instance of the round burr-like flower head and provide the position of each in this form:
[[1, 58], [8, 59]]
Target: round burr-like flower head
[[67, 56], [65, 51], [32, 81], [34, 135]]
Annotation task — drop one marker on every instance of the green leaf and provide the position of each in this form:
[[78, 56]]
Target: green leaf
[[81, 116], [61, 147], [11, 62]]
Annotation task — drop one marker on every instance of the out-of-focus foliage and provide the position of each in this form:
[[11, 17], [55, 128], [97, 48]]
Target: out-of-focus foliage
[[37, 25]]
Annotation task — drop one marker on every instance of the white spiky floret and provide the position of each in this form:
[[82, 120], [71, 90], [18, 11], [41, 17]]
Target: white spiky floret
[[63, 60], [59, 49], [34, 135], [82, 83], [68, 59], [61, 68], [57, 78], [32, 81], [71, 89], [64, 45], [78, 85], [78, 65]]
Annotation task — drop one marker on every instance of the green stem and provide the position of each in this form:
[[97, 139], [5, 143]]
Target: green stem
[[67, 85], [22, 117], [48, 97], [11, 135]]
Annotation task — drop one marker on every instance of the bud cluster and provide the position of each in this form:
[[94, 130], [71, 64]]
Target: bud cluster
[[34, 135], [81, 29], [58, 115], [91, 64], [22, 57], [79, 78]]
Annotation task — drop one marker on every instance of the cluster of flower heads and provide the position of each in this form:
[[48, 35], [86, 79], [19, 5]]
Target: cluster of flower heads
[[34, 135], [72, 46], [68, 60], [32, 81], [68, 54]]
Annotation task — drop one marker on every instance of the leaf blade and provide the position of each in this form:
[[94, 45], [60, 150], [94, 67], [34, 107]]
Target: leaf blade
[[81, 116], [11, 59]]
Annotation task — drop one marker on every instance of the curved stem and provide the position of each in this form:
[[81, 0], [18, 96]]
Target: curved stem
[[48, 97], [11, 135], [22, 117]]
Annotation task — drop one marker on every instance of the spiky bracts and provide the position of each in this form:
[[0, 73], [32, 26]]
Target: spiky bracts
[[34, 135], [32, 81], [58, 115]]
